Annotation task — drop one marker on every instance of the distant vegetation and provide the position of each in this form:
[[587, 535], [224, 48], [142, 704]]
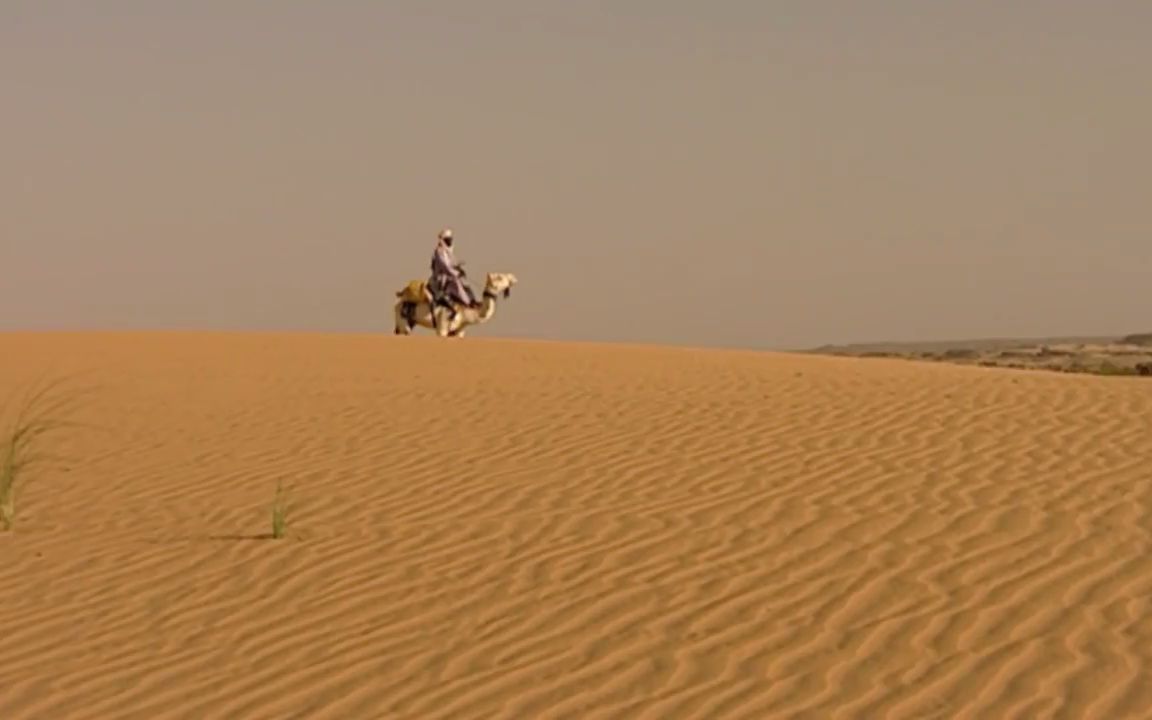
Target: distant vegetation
[[1129, 355]]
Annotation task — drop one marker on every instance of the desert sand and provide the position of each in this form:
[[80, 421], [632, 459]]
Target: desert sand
[[491, 528]]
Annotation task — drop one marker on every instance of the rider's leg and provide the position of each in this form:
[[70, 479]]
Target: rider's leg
[[441, 294], [458, 293], [469, 295]]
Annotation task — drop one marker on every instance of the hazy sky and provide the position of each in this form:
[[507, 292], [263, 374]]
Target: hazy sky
[[737, 172]]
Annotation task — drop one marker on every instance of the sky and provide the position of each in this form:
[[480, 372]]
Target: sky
[[748, 173]]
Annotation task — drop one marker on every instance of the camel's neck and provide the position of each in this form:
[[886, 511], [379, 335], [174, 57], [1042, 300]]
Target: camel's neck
[[487, 308]]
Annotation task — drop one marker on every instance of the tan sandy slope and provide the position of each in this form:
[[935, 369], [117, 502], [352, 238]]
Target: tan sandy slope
[[505, 529]]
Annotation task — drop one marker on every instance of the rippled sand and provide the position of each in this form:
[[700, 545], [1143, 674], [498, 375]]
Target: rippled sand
[[506, 529]]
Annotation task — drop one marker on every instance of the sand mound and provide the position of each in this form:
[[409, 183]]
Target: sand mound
[[498, 529]]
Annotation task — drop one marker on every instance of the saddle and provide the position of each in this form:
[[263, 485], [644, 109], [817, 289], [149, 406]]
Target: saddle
[[426, 291]]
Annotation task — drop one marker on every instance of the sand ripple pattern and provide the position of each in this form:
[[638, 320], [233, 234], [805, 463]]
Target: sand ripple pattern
[[500, 529]]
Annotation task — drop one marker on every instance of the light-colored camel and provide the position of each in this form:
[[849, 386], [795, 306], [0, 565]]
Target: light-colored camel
[[413, 307]]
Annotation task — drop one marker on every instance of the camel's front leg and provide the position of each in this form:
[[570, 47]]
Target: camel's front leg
[[440, 322]]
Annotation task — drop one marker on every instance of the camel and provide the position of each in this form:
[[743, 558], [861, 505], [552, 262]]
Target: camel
[[414, 307]]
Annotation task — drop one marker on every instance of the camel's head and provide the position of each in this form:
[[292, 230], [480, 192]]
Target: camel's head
[[500, 283]]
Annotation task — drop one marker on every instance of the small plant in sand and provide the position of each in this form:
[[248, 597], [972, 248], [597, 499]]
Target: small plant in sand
[[21, 447], [279, 512]]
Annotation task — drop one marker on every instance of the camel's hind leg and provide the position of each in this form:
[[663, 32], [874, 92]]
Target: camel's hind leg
[[431, 300], [402, 319]]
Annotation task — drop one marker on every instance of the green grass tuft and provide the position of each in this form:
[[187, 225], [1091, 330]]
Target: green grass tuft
[[279, 513], [21, 446]]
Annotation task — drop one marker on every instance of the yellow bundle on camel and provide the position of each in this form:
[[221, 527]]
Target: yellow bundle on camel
[[415, 292]]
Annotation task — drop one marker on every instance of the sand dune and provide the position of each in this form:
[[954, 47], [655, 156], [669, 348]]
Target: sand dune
[[500, 529]]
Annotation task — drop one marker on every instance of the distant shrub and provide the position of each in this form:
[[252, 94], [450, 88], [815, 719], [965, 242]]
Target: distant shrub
[[1108, 368], [1138, 339], [961, 354]]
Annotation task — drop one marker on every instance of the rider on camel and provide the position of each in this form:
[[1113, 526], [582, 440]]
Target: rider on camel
[[448, 275]]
